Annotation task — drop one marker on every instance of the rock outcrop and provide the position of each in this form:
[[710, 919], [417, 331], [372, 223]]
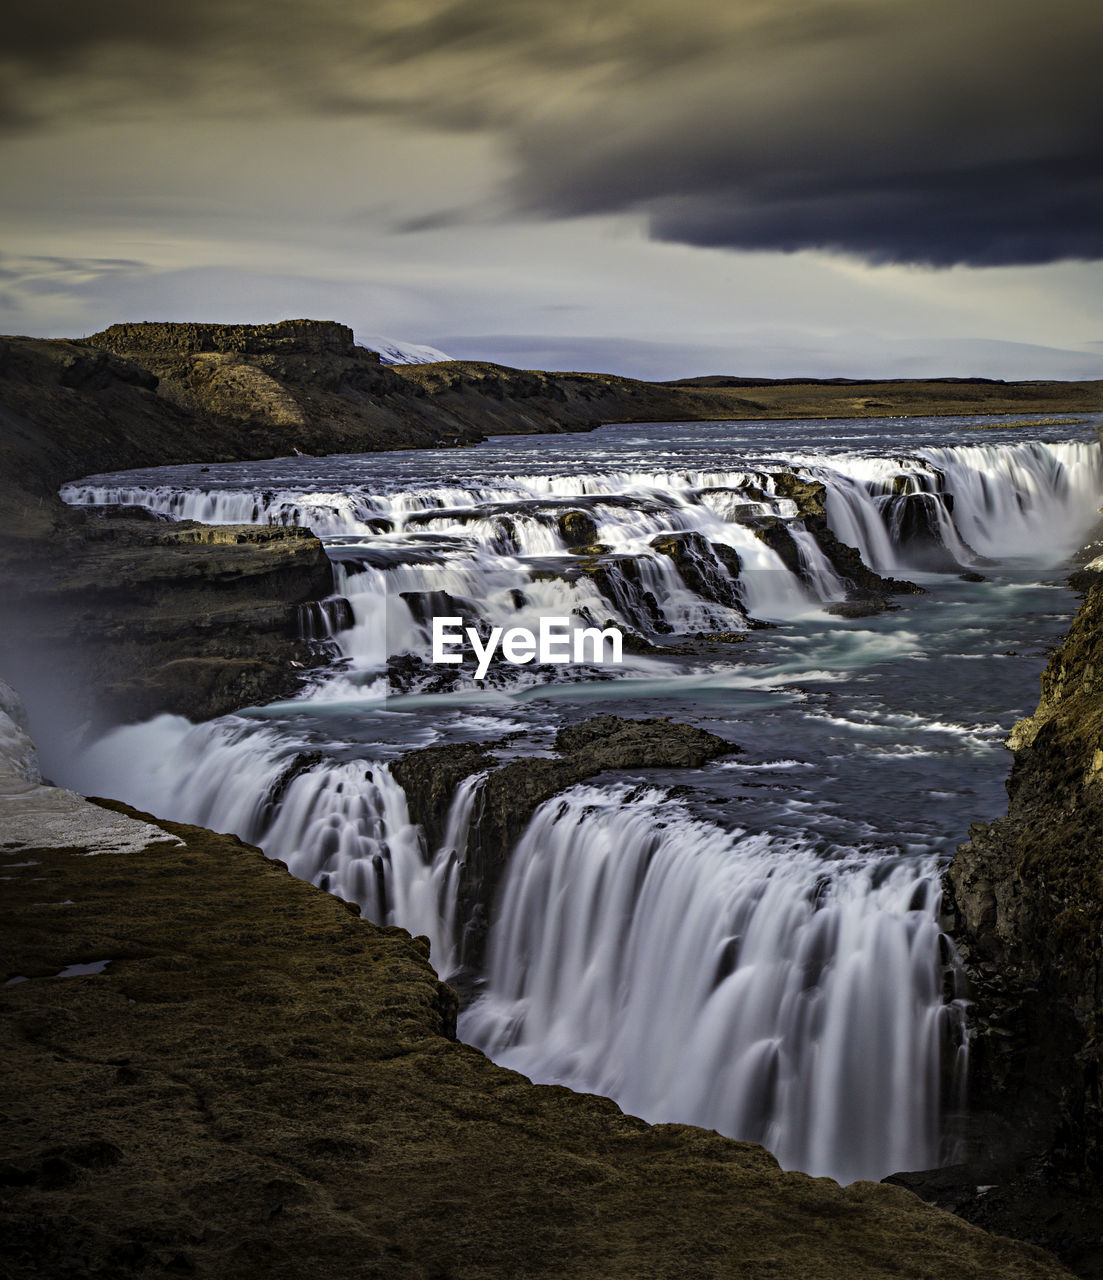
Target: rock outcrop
[[211, 1068], [512, 792], [130, 617], [810, 497], [298, 385], [1026, 903]]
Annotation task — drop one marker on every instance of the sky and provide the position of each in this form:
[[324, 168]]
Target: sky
[[755, 187]]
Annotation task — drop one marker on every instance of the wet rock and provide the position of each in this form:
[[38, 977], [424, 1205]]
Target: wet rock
[[700, 568], [619, 580], [301, 762], [512, 793], [578, 529], [721, 637], [321, 619], [430, 778], [811, 499], [613, 742], [915, 519], [1025, 903], [776, 535], [860, 607]]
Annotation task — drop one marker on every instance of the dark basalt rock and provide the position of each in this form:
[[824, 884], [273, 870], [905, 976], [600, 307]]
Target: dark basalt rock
[[699, 566], [775, 533], [914, 518], [811, 499], [859, 607], [619, 580], [430, 778], [578, 529], [1025, 906], [613, 742], [301, 762], [320, 619], [512, 793]]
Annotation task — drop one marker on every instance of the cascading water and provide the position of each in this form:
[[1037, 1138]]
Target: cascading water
[[342, 825], [781, 977], [667, 551], [1032, 501], [716, 978]]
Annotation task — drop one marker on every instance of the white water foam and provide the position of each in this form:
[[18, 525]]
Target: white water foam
[[732, 981]]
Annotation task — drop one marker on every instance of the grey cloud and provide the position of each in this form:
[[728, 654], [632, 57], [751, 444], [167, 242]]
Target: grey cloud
[[924, 130], [60, 269], [1026, 212], [51, 32]]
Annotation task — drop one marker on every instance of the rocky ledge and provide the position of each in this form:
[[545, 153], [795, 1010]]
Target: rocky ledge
[[214, 1069], [513, 791], [129, 617]]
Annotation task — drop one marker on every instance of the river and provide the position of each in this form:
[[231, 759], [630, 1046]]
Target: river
[[754, 946]]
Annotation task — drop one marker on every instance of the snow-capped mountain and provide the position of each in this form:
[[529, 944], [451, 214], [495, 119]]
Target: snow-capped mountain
[[391, 352]]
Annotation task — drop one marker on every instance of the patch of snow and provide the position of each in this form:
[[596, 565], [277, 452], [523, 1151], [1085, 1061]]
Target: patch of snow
[[81, 970], [394, 352], [36, 816]]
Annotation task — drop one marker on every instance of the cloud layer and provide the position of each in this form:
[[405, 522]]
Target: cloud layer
[[925, 131]]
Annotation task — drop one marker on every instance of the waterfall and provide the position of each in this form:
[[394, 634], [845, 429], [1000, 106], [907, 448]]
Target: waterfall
[[734, 981], [1025, 501], [663, 552], [344, 825], [1032, 502]]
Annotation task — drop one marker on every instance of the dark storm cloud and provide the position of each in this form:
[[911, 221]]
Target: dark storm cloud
[[50, 32], [924, 131], [1023, 212]]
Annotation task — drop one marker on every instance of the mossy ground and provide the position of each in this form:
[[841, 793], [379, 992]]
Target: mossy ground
[[260, 1084]]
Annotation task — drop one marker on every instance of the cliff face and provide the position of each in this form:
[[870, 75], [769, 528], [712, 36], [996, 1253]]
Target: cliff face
[[1027, 894], [289, 338], [111, 616], [131, 617]]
